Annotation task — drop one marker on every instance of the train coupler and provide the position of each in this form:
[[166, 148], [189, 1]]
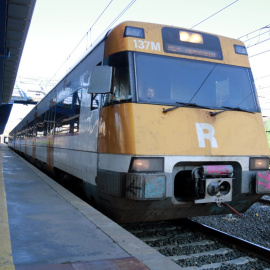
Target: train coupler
[[213, 183]]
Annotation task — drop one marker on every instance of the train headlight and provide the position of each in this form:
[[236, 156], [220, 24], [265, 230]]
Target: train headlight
[[240, 49], [131, 31], [259, 163], [141, 164]]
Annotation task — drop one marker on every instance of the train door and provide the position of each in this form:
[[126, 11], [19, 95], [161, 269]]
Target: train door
[[50, 135], [89, 124]]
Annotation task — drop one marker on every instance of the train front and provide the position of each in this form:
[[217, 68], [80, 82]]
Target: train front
[[188, 139]]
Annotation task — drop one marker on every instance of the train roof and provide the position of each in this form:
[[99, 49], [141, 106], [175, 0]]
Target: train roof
[[116, 41]]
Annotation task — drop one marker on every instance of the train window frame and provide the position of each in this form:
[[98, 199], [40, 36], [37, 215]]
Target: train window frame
[[95, 102], [41, 126], [50, 118], [123, 79], [72, 120], [95, 98], [247, 96]]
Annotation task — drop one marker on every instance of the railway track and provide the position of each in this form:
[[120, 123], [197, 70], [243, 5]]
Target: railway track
[[192, 245], [265, 201], [195, 246]]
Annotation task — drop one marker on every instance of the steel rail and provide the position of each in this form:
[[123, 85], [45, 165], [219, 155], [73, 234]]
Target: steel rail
[[264, 201], [241, 244]]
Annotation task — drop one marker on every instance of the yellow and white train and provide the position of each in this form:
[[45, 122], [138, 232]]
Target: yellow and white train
[[159, 122]]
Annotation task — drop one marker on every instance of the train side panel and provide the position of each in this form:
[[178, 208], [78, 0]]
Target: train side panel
[[76, 154]]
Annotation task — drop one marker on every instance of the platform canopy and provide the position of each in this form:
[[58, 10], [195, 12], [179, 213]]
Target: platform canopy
[[15, 18]]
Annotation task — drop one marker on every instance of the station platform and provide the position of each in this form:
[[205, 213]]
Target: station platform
[[44, 226]]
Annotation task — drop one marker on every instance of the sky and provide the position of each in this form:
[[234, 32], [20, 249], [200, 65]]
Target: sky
[[57, 27]]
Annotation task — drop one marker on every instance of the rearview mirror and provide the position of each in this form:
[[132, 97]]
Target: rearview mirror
[[100, 80]]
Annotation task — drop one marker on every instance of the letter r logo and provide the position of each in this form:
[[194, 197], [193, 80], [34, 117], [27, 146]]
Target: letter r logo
[[206, 132]]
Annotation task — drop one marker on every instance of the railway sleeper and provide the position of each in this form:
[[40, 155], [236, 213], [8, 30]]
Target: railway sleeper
[[238, 261]]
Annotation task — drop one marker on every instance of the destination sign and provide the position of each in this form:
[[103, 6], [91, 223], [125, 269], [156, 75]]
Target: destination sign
[[193, 43]]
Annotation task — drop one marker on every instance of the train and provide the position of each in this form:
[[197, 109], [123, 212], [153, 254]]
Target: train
[[267, 129], [158, 122]]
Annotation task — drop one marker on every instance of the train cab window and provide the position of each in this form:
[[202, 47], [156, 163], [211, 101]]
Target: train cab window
[[168, 80], [121, 89], [67, 114], [95, 101]]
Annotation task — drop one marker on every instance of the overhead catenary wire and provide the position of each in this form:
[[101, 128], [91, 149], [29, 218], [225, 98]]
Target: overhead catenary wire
[[99, 37], [267, 26], [264, 87], [81, 40], [262, 77], [259, 35], [115, 20], [214, 14], [90, 28], [249, 46], [259, 53], [99, 16]]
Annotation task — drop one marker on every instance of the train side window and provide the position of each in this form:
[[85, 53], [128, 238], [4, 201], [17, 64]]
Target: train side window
[[62, 115], [35, 128], [49, 120], [95, 101], [67, 114], [40, 125], [121, 90], [95, 98], [31, 129]]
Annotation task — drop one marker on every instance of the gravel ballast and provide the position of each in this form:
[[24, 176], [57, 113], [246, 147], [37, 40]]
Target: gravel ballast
[[253, 226]]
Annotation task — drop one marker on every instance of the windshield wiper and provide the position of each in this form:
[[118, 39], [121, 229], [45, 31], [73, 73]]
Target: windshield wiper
[[186, 104], [230, 109], [193, 105]]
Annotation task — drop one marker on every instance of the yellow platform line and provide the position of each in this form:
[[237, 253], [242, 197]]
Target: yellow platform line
[[6, 259]]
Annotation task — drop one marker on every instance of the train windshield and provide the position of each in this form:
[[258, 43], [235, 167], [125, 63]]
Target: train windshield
[[172, 81]]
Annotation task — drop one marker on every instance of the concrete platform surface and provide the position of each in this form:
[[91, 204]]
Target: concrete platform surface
[[44, 226]]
